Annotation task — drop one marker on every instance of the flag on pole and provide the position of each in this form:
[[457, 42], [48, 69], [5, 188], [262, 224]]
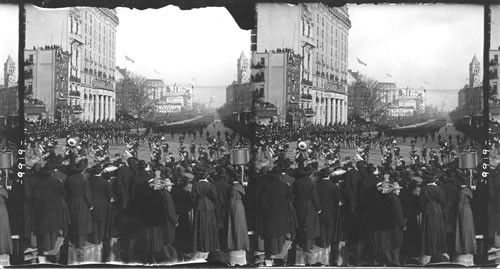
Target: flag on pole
[[129, 59], [361, 62], [388, 75]]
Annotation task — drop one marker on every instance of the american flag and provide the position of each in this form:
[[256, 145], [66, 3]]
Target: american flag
[[129, 59]]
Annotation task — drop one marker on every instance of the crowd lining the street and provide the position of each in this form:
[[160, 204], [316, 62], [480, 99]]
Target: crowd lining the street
[[406, 210]]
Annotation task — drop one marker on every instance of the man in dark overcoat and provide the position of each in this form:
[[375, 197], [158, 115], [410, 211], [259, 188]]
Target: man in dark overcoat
[[276, 216], [49, 210], [329, 198], [80, 204], [101, 193], [124, 176], [223, 191], [308, 207]]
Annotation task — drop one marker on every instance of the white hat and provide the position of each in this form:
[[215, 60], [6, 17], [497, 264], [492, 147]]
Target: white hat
[[302, 145]]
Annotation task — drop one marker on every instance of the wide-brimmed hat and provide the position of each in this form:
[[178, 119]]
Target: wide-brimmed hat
[[302, 145]]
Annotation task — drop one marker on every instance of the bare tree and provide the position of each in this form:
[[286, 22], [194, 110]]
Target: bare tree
[[373, 100], [142, 103]]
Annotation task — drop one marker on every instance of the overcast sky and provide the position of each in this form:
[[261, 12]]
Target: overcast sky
[[416, 44], [199, 45], [9, 42]]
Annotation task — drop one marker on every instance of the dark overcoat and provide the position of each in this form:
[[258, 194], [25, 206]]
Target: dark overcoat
[[307, 206], [49, 211], [223, 192], [433, 235], [274, 206], [205, 225], [124, 176], [80, 202], [100, 189], [171, 218], [329, 198]]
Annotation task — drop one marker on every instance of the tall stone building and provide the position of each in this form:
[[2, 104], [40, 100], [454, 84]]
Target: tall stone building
[[243, 68], [88, 34], [494, 67], [9, 73], [319, 34], [46, 78], [470, 98]]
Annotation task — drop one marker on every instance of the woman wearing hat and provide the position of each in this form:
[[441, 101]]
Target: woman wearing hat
[[152, 218], [433, 235], [465, 241], [237, 230], [205, 228]]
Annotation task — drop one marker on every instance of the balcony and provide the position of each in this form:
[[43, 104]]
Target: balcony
[[257, 94], [103, 84], [28, 62], [75, 79], [259, 77], [76, 37], [74, 94], [28, 74], [77, 109], [28, 91], [258, 65], [306, 97], [307, 82], [493, 62], [493, 75], [494, 90], [309, 112], [309, 40]]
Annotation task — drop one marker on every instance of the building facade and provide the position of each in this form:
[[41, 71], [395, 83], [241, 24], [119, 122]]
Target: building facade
[[155, 88], [175, 98], [401, 111], [239, 93], [47, 82], [494, 74], [387, 91], [243, 68], [124, 92], [470, 98], [275, 79], [89, 35], [9, 103], [319, 34], [9, 73], [358, 94]]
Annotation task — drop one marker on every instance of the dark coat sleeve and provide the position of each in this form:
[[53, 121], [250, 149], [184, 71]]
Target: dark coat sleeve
[[171, 214], [398, 211], [86, 193], [315, 198]]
